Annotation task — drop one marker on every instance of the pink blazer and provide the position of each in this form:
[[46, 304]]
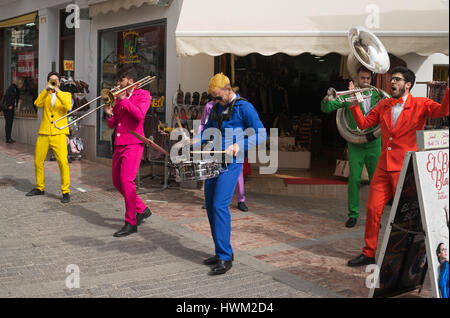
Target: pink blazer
[[129, 114]]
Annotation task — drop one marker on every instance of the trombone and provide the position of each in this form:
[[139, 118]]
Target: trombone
[[108, 97]]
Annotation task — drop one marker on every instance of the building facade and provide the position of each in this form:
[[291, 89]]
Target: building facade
[[183, 45]]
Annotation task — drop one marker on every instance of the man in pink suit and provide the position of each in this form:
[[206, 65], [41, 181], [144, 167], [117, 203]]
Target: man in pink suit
[[240, 194], [128, 115]]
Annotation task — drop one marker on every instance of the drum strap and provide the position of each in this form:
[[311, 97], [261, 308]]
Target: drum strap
[[226, 113]]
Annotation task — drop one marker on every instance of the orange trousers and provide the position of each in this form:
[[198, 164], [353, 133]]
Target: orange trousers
[[382, 189]]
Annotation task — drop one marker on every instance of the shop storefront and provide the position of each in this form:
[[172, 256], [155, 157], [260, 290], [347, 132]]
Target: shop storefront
[[285, 65], [88, 53], [143, 46], [21, 60], [287, 92]]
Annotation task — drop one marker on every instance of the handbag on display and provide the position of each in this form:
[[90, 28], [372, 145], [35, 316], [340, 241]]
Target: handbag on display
[[187, 98], [342, 166], [196, 98], [204, 99], [342, 169], [180, 95]]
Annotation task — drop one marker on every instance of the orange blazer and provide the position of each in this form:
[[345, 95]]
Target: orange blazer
[[396, 141]]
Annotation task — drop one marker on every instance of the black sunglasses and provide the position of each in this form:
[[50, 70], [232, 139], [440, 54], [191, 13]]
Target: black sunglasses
[[217, 98]]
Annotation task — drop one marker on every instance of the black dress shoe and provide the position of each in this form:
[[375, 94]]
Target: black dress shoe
[[242, 206], [211, 261], [214, 260], [10, 141], [361, 260], [65, 198], [141, 216], [35, 192], [221, 268], [351, 222], [127, 229]]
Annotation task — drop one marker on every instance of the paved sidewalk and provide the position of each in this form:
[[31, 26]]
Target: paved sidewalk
[[285, 247]]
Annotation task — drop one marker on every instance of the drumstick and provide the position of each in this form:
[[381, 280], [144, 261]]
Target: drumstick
[[181, 127]]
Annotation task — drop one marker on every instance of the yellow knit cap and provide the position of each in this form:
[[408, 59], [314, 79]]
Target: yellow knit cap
[[218, 81]]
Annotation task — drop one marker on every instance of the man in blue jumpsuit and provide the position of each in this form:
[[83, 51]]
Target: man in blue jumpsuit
[[230, 113]]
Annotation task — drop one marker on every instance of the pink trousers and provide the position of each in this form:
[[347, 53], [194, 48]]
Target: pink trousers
[[240, 194], [125, 165]]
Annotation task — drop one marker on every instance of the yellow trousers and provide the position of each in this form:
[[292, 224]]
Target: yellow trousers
[[58, 143]]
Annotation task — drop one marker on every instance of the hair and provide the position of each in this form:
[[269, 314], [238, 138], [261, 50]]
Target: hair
[[364, 69], [218, 81], [128, 71], [407, 74], [438, 250], [53, 73]]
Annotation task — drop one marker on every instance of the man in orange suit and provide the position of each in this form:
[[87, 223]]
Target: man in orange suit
[[399, 118]]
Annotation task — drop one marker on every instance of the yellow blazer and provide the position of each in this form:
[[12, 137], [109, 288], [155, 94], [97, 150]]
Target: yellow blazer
[[63, 104]]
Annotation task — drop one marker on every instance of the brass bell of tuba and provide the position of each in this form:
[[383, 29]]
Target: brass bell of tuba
[[367, 50]]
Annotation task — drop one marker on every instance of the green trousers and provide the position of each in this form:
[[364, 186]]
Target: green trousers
[[358, 155]]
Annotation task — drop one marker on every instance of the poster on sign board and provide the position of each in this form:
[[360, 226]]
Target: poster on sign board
[[25, 64], [400, 262], [431, 169], [416, 239]]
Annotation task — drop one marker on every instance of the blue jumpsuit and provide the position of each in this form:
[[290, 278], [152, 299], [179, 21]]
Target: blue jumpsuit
[[219, 191]]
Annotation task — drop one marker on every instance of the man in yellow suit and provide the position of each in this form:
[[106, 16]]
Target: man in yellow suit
[[55, 104]]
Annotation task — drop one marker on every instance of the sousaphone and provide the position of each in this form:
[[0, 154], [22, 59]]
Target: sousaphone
[[367, 50]]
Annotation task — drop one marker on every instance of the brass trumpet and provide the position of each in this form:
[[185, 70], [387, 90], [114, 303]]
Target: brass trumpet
[[52, 84], [332, 94], [108, 97]]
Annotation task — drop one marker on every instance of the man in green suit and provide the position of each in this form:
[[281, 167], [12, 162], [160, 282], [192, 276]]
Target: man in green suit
[[358, 154]]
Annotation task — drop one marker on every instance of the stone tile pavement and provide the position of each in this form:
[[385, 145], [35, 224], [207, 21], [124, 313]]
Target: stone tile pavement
[[285, 247]]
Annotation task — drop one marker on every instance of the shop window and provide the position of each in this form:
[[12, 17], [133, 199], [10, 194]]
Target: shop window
[[66, 46], [144, 46], [440, 73], [287, 91], [21, 64]]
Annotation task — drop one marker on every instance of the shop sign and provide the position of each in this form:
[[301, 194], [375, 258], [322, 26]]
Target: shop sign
[[432, 139], [68, 65], [129, 43], [25, 64], [158, 102]]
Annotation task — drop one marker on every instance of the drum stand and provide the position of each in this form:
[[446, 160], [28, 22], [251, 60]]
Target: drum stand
[[165, 178]]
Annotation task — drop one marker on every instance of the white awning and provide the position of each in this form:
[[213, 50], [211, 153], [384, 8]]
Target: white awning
[[105, 6], [215, 27]]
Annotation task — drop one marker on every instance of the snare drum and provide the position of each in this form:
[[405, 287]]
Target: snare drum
[[196, 170]]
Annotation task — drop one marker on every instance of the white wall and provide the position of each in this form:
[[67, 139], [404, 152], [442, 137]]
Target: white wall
[[21, 7], [195, 72], [422, 66]]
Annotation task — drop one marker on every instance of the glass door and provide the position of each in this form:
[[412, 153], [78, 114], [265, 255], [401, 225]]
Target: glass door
[[144, 46]]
